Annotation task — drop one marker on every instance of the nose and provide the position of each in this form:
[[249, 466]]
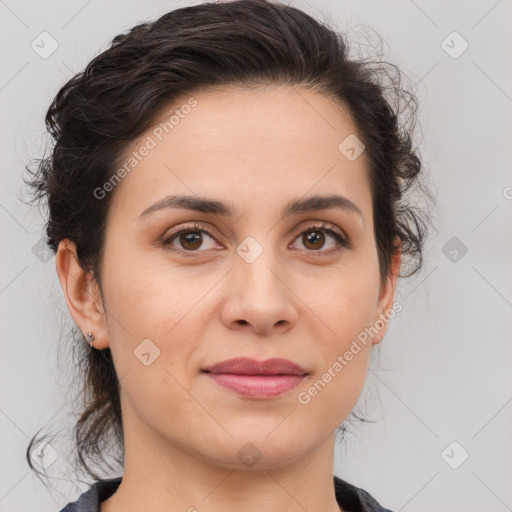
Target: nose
[[257, 297]]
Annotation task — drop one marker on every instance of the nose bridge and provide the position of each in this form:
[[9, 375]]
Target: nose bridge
[[258, 262]]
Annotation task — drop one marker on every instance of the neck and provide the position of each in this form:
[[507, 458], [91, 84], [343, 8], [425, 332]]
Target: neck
[[162, 476]]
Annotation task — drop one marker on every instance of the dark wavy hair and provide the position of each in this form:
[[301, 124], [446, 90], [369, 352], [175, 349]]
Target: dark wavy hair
[[122, 91]]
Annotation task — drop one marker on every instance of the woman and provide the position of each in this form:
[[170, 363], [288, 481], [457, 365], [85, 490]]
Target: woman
[[226, 204]]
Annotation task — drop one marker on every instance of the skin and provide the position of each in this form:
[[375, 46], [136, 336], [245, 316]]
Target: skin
[[256, 150]]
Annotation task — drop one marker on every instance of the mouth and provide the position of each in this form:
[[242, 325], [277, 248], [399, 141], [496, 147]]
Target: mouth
[[257, 379]]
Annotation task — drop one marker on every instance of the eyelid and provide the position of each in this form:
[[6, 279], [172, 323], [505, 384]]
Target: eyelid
[[308, 225], [188, 227]]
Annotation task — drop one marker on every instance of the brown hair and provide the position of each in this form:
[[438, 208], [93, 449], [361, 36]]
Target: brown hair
[[100, 111]]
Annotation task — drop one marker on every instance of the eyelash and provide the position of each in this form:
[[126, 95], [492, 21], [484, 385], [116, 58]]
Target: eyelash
[[324, 227]]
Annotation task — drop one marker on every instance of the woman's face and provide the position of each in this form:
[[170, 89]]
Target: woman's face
[[251, 283]]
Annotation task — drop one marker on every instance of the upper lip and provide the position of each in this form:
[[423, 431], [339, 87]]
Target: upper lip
[[248, 366]]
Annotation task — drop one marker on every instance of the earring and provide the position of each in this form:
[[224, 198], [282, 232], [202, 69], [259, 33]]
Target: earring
[[90, 339]]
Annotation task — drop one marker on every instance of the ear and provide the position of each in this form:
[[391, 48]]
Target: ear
[[387, 291], [82, 294]]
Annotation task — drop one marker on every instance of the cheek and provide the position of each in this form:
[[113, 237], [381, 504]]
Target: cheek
[[146, 302], [346, 310], [152, 299], [330, 396], [345, 304]]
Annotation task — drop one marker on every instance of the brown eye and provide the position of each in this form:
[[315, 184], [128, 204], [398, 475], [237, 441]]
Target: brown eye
[[190, 240], [316, 238]]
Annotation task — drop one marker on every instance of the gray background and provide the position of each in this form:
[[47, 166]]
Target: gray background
[[447, 356]]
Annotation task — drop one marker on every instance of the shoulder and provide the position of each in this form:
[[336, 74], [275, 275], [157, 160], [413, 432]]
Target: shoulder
[[90, 500], [355, 499], [348, 496]]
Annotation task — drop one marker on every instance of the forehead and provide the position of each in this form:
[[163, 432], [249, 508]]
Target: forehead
[[269, 143], [281, 117]]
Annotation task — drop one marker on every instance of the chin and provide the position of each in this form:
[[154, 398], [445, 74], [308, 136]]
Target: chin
[[258, 451]]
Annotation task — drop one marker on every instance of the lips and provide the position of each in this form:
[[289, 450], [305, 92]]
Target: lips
[[248, 366], [257, 379]]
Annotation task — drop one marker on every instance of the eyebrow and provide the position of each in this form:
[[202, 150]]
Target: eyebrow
[[293, 207]]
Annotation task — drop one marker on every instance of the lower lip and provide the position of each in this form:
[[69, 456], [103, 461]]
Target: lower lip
[[257, 386]]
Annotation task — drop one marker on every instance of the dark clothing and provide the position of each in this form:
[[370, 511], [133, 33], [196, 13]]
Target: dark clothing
[[349, 497]]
